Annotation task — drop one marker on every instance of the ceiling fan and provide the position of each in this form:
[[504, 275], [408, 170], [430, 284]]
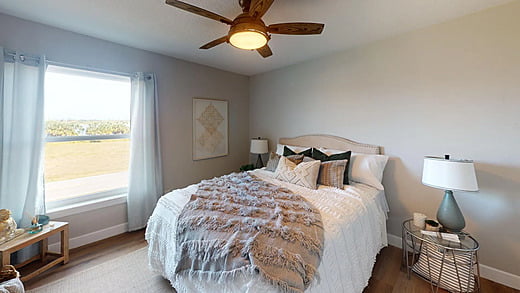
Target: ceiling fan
[[247, 30]]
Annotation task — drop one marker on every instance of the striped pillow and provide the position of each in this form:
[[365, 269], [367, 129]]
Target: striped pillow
[[323, 156], [332, 173]]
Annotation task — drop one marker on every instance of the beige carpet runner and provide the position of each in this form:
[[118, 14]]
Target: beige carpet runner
[[128, 273]]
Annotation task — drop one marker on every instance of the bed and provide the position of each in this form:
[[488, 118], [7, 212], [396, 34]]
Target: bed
[[354, 222]]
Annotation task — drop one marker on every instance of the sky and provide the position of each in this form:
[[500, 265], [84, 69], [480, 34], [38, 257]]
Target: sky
[[82, 97]]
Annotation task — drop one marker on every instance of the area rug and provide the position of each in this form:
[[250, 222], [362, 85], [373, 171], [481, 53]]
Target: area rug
[[128, 273]]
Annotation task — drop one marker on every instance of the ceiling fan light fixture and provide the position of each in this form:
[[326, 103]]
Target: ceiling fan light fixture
[[248, 31], [249, 39]]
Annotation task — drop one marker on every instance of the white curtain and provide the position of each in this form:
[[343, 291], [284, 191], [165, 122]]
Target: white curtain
[[145, 182], [21, 135]]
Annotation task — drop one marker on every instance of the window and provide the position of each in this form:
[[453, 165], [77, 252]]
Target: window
[[87, 143]]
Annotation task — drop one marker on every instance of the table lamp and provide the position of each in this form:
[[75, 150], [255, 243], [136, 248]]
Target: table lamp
[[449, 175], [259, 146]]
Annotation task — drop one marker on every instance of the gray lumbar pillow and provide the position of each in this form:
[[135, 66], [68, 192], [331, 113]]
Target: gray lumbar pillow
[[273, 162]]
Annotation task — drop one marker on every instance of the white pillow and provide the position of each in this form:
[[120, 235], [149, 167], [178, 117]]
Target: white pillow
[[330, 152], [304, 174], [368, 169], [296, 149]]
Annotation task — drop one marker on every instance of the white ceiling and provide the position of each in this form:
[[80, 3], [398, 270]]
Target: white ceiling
[[152, 25]]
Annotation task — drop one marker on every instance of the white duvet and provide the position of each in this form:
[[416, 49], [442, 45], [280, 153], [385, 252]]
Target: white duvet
[[354, 220]]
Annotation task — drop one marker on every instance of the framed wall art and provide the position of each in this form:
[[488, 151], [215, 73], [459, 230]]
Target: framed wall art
[[210, 128]]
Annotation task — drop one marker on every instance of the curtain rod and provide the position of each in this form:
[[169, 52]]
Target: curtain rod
[[23, 56], [88, 68]]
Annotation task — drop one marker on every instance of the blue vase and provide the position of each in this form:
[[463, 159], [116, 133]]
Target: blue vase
[[449, 214]]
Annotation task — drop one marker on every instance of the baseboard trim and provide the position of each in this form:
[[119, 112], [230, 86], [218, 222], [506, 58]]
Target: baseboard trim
[[395, 241], [92, 237], [499, 276], [487, 272]]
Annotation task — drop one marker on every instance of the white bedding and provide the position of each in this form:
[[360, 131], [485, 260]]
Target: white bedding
[[354, 221]]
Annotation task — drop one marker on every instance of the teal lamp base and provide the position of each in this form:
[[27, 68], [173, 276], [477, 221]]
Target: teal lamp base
[[449, 214]]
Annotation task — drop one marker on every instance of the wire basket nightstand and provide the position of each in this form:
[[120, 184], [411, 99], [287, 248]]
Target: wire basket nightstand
[[444, 264]]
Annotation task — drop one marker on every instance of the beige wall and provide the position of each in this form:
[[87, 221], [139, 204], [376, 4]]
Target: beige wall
[[178, 82], [452, 88]]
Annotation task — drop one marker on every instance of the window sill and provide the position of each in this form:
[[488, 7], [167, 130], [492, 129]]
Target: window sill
[[86, 206]]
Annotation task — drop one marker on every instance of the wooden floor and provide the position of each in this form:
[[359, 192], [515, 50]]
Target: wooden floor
[[386, 277]]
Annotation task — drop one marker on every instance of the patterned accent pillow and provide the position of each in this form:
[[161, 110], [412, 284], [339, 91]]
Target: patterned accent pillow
[[275, 158], [303, 174], [319, 155], [306, 159], [288, 152], [297, 159], [332, 173]]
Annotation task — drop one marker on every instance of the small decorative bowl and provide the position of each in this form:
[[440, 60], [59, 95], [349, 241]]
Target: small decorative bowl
[[43, 219], [432, 225], [35, 228]]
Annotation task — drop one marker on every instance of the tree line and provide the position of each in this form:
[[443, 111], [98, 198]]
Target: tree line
[[86, 127]]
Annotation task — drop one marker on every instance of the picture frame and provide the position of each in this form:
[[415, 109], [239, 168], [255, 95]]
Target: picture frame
[[210, 128]]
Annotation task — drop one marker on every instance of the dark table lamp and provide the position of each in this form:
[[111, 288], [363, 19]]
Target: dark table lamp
[[450, 175], [259, 146]]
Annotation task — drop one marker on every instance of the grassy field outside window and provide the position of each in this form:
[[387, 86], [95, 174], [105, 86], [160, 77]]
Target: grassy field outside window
[[77, 168], [76, 159]]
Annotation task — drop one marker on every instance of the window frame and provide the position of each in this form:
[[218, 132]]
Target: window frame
[[96, 196], [85, 137]]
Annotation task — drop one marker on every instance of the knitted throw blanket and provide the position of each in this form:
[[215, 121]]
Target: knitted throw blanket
[[236, 225]]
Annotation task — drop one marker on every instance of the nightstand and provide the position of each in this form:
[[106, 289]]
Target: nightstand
[[444, 264], [27, 239]]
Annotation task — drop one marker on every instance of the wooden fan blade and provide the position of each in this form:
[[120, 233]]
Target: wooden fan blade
[[258, 8], [245, 4], [214, 43], [296, 28], [199, 11], [265, 51]]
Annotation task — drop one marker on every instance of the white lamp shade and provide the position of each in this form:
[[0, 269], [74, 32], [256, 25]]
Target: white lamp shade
[[449, 174], [259, 146]]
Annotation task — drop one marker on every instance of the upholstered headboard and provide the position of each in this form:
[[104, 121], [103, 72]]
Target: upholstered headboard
[[331, 142]]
